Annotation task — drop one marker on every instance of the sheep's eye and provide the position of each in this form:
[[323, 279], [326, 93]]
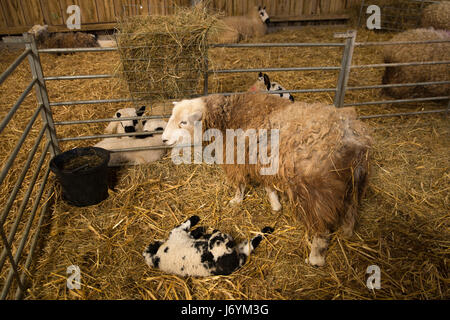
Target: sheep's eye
[[183, 123]]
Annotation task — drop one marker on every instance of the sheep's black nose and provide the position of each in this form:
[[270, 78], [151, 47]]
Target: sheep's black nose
[[129, 129], [267, 21]]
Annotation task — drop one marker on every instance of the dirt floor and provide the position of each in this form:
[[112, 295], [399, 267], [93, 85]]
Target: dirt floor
[[404, 218]]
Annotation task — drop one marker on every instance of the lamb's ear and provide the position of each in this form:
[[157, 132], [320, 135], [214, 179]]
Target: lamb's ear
[[260, 74], [264, 8], [140, 111], [259, 8], [196, 116], [267, 81]]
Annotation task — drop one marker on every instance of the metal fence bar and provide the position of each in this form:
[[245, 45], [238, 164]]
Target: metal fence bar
[[14, 269], [274, 69], [69, 122], [381, 86], [24, 202], [399, 64], [344, 73], [79, 77], [41, 93], [34, 241], [78, 102], [14, 65], [276, 45], [19, 144], [17, 104], [24, 239], [395, 101], [112, 135], [402, 114], [389, 43], [72, 50]]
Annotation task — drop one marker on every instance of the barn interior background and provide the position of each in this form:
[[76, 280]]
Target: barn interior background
[[18, 16], [404, 226]]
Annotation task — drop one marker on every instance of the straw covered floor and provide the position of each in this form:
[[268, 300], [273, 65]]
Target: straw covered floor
[[404, 217]]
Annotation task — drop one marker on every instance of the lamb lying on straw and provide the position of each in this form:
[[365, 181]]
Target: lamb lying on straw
[[237, 28]]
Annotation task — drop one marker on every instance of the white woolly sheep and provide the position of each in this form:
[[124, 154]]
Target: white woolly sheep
[[237, 28], [126, 126], [199, 254], [320, 157], [141, 141], [264, 84]]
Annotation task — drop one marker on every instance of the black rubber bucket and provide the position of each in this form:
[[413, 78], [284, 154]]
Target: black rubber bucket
[[83, 175]]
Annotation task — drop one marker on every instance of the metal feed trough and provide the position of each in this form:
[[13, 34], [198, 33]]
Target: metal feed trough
[[15, 262]]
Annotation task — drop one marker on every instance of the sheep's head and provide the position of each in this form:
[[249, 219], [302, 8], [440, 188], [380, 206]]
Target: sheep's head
[[181, 123], [39, 32], [263, 14], [126, 126], [262, 84], [220, 244], [152, 125]]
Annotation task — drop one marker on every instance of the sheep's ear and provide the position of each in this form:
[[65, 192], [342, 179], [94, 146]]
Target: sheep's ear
[[264, 8], [267, 81], [259, 8], [196, 116], [260, 74], [140, 111], [118, 114], [175, 102]]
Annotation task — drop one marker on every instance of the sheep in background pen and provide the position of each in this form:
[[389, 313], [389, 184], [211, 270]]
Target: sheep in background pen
[[197, 253], [320, 160], [236, 28], [136, 157], [264, 84], [418, 73], [44, 39]]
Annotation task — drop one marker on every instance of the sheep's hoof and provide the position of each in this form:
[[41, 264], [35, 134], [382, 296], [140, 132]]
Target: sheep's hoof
[[316, 261], [276, 207], [234, 202]]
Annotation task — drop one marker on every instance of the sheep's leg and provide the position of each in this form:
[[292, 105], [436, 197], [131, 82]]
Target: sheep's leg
[[239, 196], [348, 224], [319, 247], [273, 199], [185, 226]]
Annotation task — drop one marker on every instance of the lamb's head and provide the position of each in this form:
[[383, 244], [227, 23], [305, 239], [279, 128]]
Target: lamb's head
[[151, 125], [263, 14], [181, 123], [220, 244], [262, 84], [126, 126]]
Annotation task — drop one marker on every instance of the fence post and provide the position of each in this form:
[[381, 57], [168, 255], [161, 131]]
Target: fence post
[[41, 93], [350, 37]]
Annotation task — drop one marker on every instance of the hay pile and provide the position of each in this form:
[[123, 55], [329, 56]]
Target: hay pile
[[164, 57], [437, 15], [421, 73], [404, 226]]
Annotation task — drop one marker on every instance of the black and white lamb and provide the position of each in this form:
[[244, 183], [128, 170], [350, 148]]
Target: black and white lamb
[[197, 253]]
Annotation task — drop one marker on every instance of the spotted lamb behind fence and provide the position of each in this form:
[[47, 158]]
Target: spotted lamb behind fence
[[197, 253], [264, 84], [126, 126]]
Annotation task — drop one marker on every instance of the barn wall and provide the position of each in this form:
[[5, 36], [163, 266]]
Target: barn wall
[[17, 16]]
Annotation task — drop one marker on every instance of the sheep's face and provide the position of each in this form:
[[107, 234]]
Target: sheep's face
[[220, 244], [130, 125], [180, 127], [263, 15], [39, 31], [154, 125]]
